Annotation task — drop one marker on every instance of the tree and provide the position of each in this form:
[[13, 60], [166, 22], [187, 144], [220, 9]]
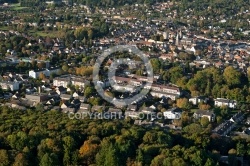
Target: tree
[[21, 160], [204, 106], [183, 103], [107, 155], [175, 74], [204, 121], [88, 91], [65, 68], [49, 160], [232, 157], [81, 33], [88, 151], [4, 158], [68, 146], [240, 148], [42, 76], [156, 65], [210, 162], [41, 65], [232, 76]]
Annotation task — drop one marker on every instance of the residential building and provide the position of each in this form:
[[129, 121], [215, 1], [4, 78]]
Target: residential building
[[84, 107], [225, 102], [12, 85], [198, 99], [66, 97], [113, 113], [173, 113], [205, 113], [159, 91], [70, 80], [47, 72], [226, 127], [37, 97], [237, 117], [165, 91]]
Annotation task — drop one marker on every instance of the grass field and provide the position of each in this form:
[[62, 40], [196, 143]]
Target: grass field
[[17, 6], [4, 28], [51, 34]]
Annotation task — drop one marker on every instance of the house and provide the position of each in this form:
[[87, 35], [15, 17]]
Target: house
[[37, 97], [61, 90], [173, 113], [68, 107], [147, 110], [68, 110], [66, 97], [16, 96], [225, 102], [47, 72], [75, 95], [248, 121], [113, 113], [237, 117], [82, 98], [132, 107], [70, 80], [76, 103], [84, 107], [198, 99], [133, 84], [53, 100], [132, 114], [224, 128], [12, 85], [53, 94], [205, 113]]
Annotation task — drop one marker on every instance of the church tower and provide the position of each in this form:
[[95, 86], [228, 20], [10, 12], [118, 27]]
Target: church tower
[[177, 40]]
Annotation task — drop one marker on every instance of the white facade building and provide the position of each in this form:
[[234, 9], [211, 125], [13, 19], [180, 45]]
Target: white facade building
[[225, 102], [35, 73], [68, 79], [172, 115], [9, 84]]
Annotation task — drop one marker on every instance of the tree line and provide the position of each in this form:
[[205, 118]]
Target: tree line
[[34, 137]]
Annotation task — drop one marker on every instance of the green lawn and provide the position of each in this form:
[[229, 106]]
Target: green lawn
[[194, 110], [17, 6], [51, 34], [45, 34], [4, 28]]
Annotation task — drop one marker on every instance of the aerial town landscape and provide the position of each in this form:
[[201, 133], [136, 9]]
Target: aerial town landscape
[[195, 110]]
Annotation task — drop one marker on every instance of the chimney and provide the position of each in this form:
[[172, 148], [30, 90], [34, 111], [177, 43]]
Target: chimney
[[39, 89]]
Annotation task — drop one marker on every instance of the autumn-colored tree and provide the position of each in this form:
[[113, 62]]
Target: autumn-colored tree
[[42, 76], [183, 103], [41, 65], [20, 160], [203, 106], [88, 152]]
